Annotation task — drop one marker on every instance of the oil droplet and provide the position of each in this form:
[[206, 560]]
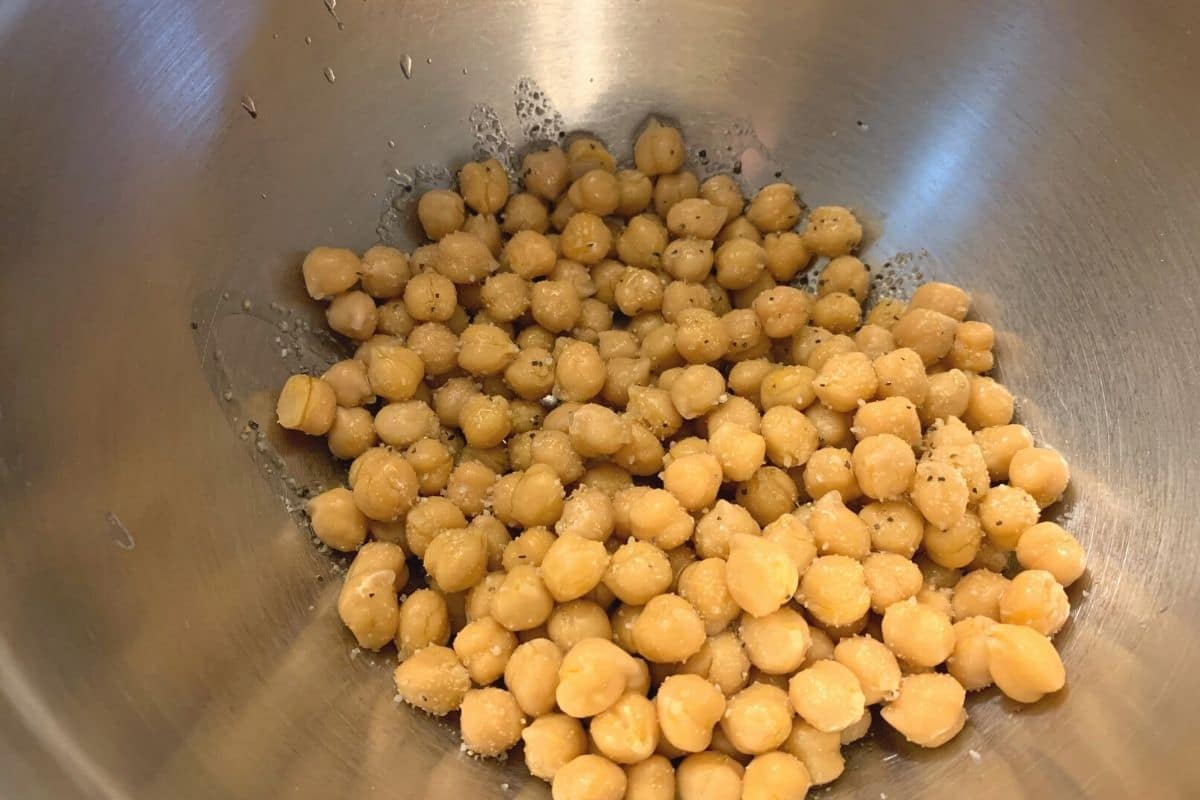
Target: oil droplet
[[251, 109], [406, 65], [392, 143], [329, 76], [429, 60]]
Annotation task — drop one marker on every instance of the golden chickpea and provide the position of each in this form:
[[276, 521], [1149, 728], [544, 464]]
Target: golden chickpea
[[637, 291], [627, 732], [874, 341], [578, 372], [484, 647], [929, 709], [1024, 663], [988, 404], [738, 451], [722, 661], [1046, 546], [385, 485], [430, 297], [746, 377], [837, 530], [734, 411], [394, 319], [1034, 598], [484, 185], [999, 445], [589, 777], [928, 333], [586, 238], [769, 494], [1006, 512], [441, 212], [783, 311], [760, 574], [896, 416], [757, 719], [831, 469], [717, 527], [436, 346], [774, 208], [775, 775], [746, 339], [428, 518], [896, 527], [463, 258], [522, 601], [940, 493], [573, 566], [634, 191], [652, 779], [574, 621], [873, 664], [329, 271], [669, 630], [837, 312], [944, 298], [703, 584], [739, 263], [972, 350], [596, 191], [834, 590], [531, 373], [723, 191], [306, 404], [642, 455], [947, 396], [884, 466], [956, 546], [349, 382], [901, 373], [469, 485], [832, 231], [524, 211], [638, 571], [700, 336], [968, 664], [642, 244], [367, 602], [688, 260], [776, 643], [594, 674], [819, 751], [697, 218], [709, 776], [424, 620], [353, 315], [546, 173], [694, 480], [787, 386], [787, 255], [552, 741], [456, 559], [845, 380], [1042, 472], [531, 674], [978, 594], [658, 149], [403, 424], [827, 696], [433, 680], [845, 275], [697, 391], [891, 578], [790, 439], [688, 708], [352, 433], [917, 633]]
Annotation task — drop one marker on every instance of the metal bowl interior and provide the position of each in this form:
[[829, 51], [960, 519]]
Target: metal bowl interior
[[167, 627]]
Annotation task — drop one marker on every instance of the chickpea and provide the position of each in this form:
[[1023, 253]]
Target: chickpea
[[944, 298], [546, 173], [456, 559], [940, 493], [776, 643], [734, 411], [586, 238], [834, 590], [485, 350], [574, 621], [589, 777], [884, 466], [709, 776], [927, 332], [787, 386], [1024, 663], [1036, 599], [393, 320], [703, 585], [431, 297], [658, 149], [696, 217], [838, 530], [551, 741], [891, 578], [837, 312], [988, 404], [627, 732], [587, 153], [760, 574], [739, 263], [757, 719], [436, 347], [688, 260], [745, 334], [593, 676], [1042, 472], [641, 244], [999, 445], [874, 341], [403, 424], [775, 775], [578, 372], [385, 485], [972, 349], [353, 315], [769, 494], [787, 255], [827, 696], [715, 529], [845, 380], [1006, 512], [484, 647], [819, 751], [929, 709], [947, 396], [901, 373], [846, 275], [790, 439], [697, 391], [637, 572], [469, 485], [783, 311], [524, 211], [896, 416], [424, 620], [573, 566], [832, 231], [722, 661], [587, 513], [329, 271], [896, 527], [433, 680], [738, 451], [722, 191], [746, 377], [774, 208], [306, 404], [428, 518], [367, 602], [694, 480], [336, 520], [596, 191], [968, 664], [688, 707], [873, 664], [652, 779], [1047, 547], [348, 379], [522, 601], [978, 594], [831, 469], [917, 633], [669, 630]]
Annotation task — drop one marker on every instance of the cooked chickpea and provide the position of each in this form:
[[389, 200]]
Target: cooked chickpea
[[627, 732], [1024, 663], [578, 372], [776, 643], [968, 664], [734, 411], [586, 238], [336, 520], [403, 424], [552, 741], [928, 333], [384, 485], [522, 601], [901, 373], [688, 260], [722, 191], [484, 647], [738, 451], [306, 404], [947, 396], [694, 480], [697, 390], [831, 469], [978, 594], [775, 775], [697, 218], [529, 254], [972, 349], [433, 680], [896, 416], [827, 696], [329, 271], [999, 445], [652, 779], [641, 244], [367, 603], [940, 493], [700, 336], [1046, 546], [638, 571], [395, 372], [436, 346], [757, 719], [658, 149], [716, 528], [739, 263], [1006, 512], [456, 559], [353, 315], [837, 312], [832, 231], [917, 633], [576, 620], [988, 404], [944, 298], [845, 275], [524, 211], [884, 466], [546, 173], [430, 297], [891, 578], [746, 339], [929, 709], [428, 518], [1041, 472], [573, 566], [896, 527], [874, 341], [790, 439], [669, 630], [531, 674], [709, 776], [589, 777], [819, 751], [484, 185], [703, 584], [424, 620], [787, 386], [838, 530], [845, 380], [834, 590], [760, 574], [1034, 598], [349, 382], [873, 664], [783, 311], [769, 494], [689, 707], [594, 674], [774, 208]]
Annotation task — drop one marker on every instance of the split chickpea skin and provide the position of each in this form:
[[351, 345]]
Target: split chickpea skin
[[679, 524]]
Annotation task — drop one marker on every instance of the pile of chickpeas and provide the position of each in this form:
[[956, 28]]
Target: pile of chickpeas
[[680, 525]]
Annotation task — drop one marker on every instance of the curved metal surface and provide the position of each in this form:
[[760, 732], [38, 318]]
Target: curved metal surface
[[166, 629]]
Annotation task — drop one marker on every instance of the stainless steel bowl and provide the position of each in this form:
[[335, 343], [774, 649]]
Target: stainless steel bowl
[[167, 628]]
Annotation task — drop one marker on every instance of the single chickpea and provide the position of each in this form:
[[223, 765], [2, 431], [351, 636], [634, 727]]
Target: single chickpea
[[669, 630], [776, 643], [436, 346], [484, 185], [827, 696], [819, 751], [586, 153], [886, 312], [329, 271], [428, 518], [586, 238], [1024, 663], [757, 719], [551, 741], [638, 571], [627, 732], [306, 404], [694, 480], [734, 411], [929, 709], [658, 347], [873, 664], [430, 297], [395, 372], [529, 255], [896, 527], [884, 466], [485, 350], [349, 382], [746, 377], [637, 291], [555, 305], [972, 350], [697, 391], [917, 633], [700, 336], [927, 332], [738, 451], [594, 674], [760, 575], [578, 372], [688, 707], [988, 404], [825, 349], [424, 620], [1041, 472], [353, 315], [1034, 598], [546, 173], [954, 547], [441, 212], [463, 258], [596, 191], [722, 662], [385, 486], [978, 594], [891, 578], [642, 455], [874, 341], [394, 319], [576, 620], [531, 373], [433, 680], [901, 373], [769, 494], [469, 485], [716, 528], [634, 191], [484, 647], [659, 518], [367, 603], [652, 779], [831, 469], [896, 416], [1046, 546], [787, 255], [739, 263], [709, 776], [573, 566], [1006, 512], [968, 664], [783, 311], [403, 424], [790, 439], [688, 260], [723, 191], [524, 211], [597, 431], [944, 298], [703, 584], [999, 445], [352, 433], [947, 396], [658, 149], [837, 312], [775, 775], [588, 777], [832, 231], [837, 530], [456, 559], [845, 380], [940, 493], [834, 590], [845, 275], [787, 386], [774, 208], [522, 601], [746, 339], [697, 218], [479, 597]]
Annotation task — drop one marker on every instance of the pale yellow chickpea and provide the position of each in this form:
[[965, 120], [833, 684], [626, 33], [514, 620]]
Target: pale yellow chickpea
[[522, 601], [837, 530], [884, 466], [463, 258], [449, 398], [637, 291], [769, 494], [827, 696], [353, 315], [845, 275], [697, 390], [832, 231], [834, 590], [559, 216], [790, 438], [988, 404], [831, 469], [696, 218], [746, 339], [349, 382], [436, 346], [787, 255], [954, 547], [642, 455], [734, 411], [1024, 663], [428, 518], [484, 185], [658, 149], [531, 674], [485, 350], [968, 664], [573, 566], [757, 719], [593, 675], [739, 263], [787, 386], [845, 380], [456, 559], [403, 424], [638, 571], [352, 433], [585, 238], [947, 396], [306, 404], [874, 341], [579, 372], [589, 777], [744, 298], [873, 664], [699, 336], [484, 647], [999, 445], [694, 480], [1041, 472], [478, 600], [944, 298], [776, 643], [709, 776], [433, 680], [367, 602], [895, 526], [1005, 513], [940, 493], [703, 584], [395, 372], [723, 191], [641, 244], [1034, 598], [531, 373], [596, 191], [385, 485], [716, 528], [819, 751], [551, 741], [652, 779], [597, 431], [634, 191], [928, 333], [627, 732], [721, 661], [469, 485], [917, 633], [1046, 546], [886, 312], [576, 620], [746, 377], [783, 311], [774, 208], [336, 521], [760, 574], [430, 297], [837, 312], [689, 260], [689, 707], [658, 517], [555, 305], [978, 594], [524, 211], [441, 212], [824, 346], [972, 350], [424, 620], [929, 710], [775, 775], [658, 347], [901, 373], [891, 578], [668, 630], [896, 416], [394, 319], [738, 451], [329, 271], [546, 173]]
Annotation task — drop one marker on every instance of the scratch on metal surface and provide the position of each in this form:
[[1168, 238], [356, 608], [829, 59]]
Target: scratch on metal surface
[[121, 536]]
